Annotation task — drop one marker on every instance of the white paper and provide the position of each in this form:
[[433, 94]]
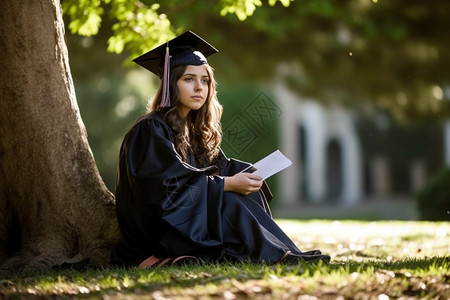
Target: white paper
[[271, 164]]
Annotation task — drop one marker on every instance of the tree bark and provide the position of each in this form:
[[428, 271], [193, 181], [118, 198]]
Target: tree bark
[[54, 207]]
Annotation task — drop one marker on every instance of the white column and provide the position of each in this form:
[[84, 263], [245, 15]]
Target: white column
[[314, 123], [341, 128], [352, 170], [290, 178], [447, 142]]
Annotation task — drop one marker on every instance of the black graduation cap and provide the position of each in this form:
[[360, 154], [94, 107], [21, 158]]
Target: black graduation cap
[[185, 49]]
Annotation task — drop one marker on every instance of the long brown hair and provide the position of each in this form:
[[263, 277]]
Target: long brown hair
[[201, 130]]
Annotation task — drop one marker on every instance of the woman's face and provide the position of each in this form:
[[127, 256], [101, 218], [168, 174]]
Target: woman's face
[[193, 88]]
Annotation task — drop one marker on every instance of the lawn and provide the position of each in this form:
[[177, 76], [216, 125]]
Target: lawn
[[370, 260]]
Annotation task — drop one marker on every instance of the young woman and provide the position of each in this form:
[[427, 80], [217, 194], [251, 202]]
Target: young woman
[[178, 196]]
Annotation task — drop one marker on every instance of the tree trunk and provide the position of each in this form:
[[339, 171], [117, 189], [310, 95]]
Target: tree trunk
[[54, 207]]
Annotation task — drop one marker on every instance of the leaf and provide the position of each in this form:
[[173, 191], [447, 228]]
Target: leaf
[[85, 16], [285, 3], [139, 27], [241, 8], [116, 44]]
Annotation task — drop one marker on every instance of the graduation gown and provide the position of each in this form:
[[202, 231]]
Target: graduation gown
[[167, 207]]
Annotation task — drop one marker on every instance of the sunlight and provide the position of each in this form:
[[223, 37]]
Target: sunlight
[[437, 92], [125, 106]]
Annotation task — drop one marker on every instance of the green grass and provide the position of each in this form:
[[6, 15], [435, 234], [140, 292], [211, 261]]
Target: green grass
[[370, 260]]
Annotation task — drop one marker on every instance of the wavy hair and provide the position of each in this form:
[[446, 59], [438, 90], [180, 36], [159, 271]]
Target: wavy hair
[[201, 130]]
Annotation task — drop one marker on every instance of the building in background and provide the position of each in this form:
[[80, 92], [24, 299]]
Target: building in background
[[336, 169]]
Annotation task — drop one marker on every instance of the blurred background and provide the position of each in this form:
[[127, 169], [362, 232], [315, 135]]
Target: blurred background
[[355, 93]]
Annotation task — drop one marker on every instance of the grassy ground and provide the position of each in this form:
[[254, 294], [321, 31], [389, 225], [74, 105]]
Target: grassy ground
[[370, 260]]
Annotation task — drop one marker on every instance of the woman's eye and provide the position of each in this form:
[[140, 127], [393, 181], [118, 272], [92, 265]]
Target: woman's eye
[[206, 81], [188, 79]]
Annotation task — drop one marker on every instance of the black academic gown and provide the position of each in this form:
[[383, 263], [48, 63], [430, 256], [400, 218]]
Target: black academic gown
[[168, 208]]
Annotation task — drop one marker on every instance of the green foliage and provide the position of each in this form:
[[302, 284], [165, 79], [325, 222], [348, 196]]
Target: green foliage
[[433, 200], [242, 8], [359, 270], [346, 51], [85, 16], [138, 27], [285, 3], [350, 52]]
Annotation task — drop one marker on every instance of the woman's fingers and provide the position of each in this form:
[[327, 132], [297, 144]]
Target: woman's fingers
[[253, 176], [243, 183], [254, 184]]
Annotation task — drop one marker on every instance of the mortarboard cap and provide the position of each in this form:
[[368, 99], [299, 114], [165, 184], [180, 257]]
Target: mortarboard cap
[[185, 49]]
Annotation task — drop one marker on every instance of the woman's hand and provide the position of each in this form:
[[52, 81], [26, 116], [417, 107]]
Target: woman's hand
[[243, 183]]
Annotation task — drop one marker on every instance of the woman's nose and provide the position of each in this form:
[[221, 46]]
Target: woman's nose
[[198, 86]]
